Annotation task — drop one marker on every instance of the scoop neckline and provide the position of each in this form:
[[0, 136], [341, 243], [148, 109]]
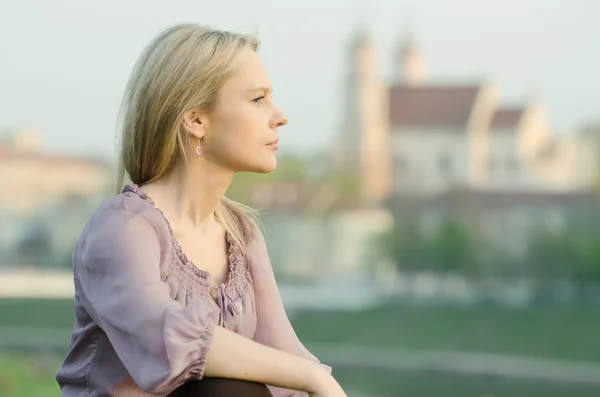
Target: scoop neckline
[[230, 244]]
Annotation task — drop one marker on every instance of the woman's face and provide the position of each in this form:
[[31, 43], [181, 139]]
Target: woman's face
[[241, 133]]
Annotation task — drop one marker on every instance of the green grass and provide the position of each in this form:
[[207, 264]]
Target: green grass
[[28, 376], [554, 332], [569, 333], [560, 332], [430, 384], [47, 313]]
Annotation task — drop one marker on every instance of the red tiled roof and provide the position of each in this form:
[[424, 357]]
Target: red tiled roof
[[507, 117], [431, 105]]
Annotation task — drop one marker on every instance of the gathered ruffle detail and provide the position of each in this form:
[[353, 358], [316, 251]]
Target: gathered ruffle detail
[[191, 276]]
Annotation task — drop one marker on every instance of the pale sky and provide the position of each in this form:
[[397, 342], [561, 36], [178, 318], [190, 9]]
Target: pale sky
[[64, 63]]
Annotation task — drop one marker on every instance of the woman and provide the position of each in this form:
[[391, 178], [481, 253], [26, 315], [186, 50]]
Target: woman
[[175, 292]]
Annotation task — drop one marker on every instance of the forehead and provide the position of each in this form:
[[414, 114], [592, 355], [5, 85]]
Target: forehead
[[249, 73]]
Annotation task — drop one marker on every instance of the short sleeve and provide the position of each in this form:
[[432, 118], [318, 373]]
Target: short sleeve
[[118, 280], [273, 326]]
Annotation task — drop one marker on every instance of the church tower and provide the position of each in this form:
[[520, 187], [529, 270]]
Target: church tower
[[410, 65], [363, 142]]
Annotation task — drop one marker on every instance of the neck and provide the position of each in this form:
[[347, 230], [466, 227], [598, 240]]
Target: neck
[[192, 192]]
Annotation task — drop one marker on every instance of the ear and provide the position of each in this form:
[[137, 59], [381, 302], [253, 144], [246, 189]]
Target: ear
[[194, 123]]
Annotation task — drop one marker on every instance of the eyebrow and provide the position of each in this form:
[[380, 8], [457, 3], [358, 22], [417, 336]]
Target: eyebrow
[[265, 89]]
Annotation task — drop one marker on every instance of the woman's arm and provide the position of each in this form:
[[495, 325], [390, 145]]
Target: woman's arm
[[116, 266], [233, 356], [273, 326]]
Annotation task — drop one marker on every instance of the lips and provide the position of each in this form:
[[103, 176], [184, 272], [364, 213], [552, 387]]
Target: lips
[[275, 142]]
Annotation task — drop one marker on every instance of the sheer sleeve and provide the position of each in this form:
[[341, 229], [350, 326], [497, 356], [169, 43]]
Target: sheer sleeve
[[118, 280], [273, 326]]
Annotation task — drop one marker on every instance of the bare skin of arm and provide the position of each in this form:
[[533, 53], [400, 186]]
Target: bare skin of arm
[[233, 356]]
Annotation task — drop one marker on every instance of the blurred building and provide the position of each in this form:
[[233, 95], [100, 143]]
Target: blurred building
[[30, 177], [314, 232], [432, 150], [505, 220], [415, 136], [45, 199]]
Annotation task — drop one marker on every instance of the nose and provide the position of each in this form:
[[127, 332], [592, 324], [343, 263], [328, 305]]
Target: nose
[[279, 119]]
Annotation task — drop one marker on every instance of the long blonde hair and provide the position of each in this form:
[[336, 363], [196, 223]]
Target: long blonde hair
[[183, 68]]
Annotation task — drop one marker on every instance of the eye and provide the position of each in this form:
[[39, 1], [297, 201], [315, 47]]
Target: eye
[[259, 99]]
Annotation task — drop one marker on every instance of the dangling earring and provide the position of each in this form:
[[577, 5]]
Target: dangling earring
[[198, 150]]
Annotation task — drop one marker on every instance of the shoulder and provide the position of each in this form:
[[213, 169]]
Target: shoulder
[[256, 249], [255, 236], [124, 221]]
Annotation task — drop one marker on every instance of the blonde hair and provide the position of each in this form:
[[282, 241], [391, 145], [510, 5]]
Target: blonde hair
[[183, 68]]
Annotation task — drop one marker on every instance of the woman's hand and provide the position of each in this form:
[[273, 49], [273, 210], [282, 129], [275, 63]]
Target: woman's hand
[[326, 386]]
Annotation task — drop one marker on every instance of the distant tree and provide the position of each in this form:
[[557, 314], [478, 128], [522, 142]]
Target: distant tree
[[588, 269], [35, 248], [495, 261], [406, 247], [347, 182], [574, 258], [566, 257], [243, 185], [553, 257], [453, 249], [592, 132], [295, 168], [290, 168]]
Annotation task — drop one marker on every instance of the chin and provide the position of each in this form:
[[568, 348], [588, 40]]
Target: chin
[[266, 167]]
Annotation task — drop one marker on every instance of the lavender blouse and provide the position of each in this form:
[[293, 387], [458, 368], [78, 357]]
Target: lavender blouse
[[144, 315]]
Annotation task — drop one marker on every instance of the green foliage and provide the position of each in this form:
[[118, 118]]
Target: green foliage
[[243, 184], [295, 169], [290, 168], [565, 256], [453, 249], [407, 248], [450, 249], [347, 183], [589, 271]]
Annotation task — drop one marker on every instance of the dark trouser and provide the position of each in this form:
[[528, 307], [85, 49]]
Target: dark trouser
[[218, 387]]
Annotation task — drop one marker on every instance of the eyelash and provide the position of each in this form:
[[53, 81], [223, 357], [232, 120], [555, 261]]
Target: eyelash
[[259, 99]]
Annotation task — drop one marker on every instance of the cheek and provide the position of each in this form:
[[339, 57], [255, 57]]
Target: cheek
[[242, 129], [227, 143], [238, 140], [232, 144]]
